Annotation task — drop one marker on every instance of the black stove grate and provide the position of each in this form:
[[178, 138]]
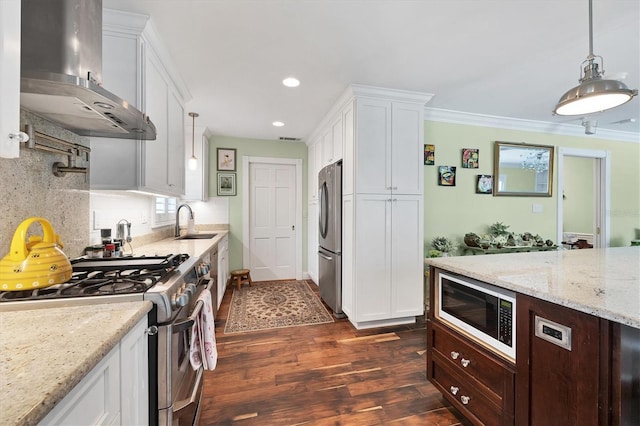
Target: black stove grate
[[101, 277]]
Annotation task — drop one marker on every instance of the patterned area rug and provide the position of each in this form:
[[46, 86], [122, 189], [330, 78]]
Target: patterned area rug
[[275, 304]]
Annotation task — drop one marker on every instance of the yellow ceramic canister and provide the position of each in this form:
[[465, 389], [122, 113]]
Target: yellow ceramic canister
[[36, 263]]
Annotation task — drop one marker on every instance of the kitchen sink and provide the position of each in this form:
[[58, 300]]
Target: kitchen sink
[[199, 236]]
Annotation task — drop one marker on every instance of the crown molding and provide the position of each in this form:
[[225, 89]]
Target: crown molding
[[471, 119]]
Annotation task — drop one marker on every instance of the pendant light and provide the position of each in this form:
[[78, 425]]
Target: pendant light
[[593, 94], [193, 161]]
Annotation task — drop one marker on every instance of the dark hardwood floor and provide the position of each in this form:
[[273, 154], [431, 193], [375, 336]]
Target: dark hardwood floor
[[328, 374]]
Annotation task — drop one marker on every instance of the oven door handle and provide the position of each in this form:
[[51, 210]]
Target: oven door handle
[[184, 403], [181, 326]]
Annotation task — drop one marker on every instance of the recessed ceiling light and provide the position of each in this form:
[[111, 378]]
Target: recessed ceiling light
[[291, 82], [278, 123]]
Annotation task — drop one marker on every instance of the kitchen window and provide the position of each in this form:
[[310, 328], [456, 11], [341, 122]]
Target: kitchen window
[[165, 211]]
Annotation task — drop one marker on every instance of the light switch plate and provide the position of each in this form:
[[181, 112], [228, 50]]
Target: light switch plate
[[537, 208]]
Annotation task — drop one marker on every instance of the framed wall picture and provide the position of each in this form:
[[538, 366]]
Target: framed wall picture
[[484, 184], [429, 155], [226, 184], [470, 157], [447, 175], [227, 159]]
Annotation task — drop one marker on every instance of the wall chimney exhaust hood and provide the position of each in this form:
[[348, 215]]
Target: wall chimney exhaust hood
[[61, 71]]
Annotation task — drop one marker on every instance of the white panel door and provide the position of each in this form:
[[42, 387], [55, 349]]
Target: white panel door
[[272, 195], [373, 149], [407, 147]]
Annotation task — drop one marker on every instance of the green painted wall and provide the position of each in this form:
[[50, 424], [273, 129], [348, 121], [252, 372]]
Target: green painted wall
[[454, 211], [254, 148]]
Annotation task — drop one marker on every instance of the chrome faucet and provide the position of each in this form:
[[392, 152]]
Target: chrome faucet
[[177, 233]]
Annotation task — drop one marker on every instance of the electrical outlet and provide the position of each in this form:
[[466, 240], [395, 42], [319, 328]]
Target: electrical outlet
[[144, 220]]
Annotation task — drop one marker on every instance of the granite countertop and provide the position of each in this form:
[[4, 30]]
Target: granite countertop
[[602, 282], [46, 352], [195, 248]]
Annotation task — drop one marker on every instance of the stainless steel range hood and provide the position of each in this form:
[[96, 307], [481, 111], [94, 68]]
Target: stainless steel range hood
[[61, 71]]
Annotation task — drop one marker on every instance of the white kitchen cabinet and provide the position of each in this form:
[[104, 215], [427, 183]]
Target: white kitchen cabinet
[[223, 267], [312, 240], [385, 260], [314, 155], [136, 68], [332, 141], [390, 137], [9, 78], [134, 376], [383, 230], [197, 181], [114, 392]]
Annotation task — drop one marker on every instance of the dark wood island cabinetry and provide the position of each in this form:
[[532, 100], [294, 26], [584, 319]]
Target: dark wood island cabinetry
[[572, 366]]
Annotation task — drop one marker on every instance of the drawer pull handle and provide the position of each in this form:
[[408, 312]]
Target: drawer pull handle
[[465, 399], [455, 355], [454, 390], [464, 362]]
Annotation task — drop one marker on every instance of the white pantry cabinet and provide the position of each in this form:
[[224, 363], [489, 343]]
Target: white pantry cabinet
[[390, 133], [136, 68], [9, 78], [114, 392], [383, 230], [312, 240]]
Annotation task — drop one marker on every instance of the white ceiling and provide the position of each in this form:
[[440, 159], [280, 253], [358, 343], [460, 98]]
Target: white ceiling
[[505, 58]]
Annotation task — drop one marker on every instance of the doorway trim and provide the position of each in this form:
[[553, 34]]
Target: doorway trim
[[602, 185], [246, 241]]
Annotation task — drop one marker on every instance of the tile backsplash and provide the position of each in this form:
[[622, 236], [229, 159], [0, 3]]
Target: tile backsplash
[[29, 188]]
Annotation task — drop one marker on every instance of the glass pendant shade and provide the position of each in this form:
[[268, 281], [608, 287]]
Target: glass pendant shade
[[193, 163]]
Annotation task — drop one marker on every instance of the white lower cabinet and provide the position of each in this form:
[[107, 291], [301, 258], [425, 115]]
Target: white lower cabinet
[[385, 282], [115, 392], [223, 267]]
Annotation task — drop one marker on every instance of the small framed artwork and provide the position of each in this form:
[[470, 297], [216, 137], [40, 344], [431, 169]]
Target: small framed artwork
[[484, 184], [447, 175], [226, 184], [470, 158], [227, 159], [429, 155]]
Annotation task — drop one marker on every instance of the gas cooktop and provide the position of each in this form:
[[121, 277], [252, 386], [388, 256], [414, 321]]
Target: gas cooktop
[[105, 277]]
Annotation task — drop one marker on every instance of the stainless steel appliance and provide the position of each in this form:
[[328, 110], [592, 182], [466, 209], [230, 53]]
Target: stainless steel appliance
[[173, 283], [61, 71], [330, 236], [484, 313]]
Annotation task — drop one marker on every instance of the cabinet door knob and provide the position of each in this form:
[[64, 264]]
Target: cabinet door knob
[[19, 136], [455, 355], [464, 362], [454, 389], [465, 399]]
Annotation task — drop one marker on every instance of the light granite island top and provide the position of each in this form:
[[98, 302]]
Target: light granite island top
[[603, 282], [46, 352]]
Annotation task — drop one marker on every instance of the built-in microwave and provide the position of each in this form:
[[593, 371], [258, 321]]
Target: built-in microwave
[[483, 312]]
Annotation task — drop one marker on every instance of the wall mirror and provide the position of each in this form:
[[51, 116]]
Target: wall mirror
[[522, 170]]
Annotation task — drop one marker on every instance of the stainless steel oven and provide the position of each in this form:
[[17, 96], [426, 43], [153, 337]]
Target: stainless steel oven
[[179, 386]]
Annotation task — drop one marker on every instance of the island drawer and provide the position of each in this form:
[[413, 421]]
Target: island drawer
[[486, 369], [472, 402]]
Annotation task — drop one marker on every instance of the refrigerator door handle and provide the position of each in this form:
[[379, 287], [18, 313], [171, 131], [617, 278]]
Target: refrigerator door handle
[[324, 256], [324, 210]]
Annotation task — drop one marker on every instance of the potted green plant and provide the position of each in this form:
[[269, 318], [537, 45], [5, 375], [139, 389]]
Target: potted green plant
[[444, 245]]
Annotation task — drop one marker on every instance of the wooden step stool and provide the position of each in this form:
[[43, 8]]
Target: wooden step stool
[[241, 276]]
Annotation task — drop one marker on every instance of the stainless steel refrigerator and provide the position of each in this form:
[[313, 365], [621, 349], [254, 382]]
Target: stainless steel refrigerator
[[330, 236]]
